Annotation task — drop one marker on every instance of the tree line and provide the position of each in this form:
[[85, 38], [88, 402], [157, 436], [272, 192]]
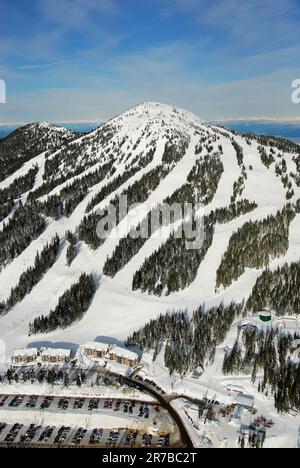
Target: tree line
[[19, 186], [23, 227], [254, 244], [31, 277], [72, 306], [187, 341], [270, 351]]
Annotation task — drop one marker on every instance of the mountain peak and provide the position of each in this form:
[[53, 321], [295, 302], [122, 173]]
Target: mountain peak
[[158, 108], [47, 126], [156, 116]]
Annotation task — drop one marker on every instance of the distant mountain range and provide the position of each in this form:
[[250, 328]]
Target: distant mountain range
[[290, 130], [81, 127]]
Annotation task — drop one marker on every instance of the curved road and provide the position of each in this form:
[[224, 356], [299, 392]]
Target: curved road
[[185, 437], [165, 402]]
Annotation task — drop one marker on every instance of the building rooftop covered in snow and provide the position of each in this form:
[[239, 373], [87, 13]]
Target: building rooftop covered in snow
[[123, 356], [268, 319], [55, 355], [94, 349], [26, 355], [290, 324], [245, 400], [97, 345], [98, 350]]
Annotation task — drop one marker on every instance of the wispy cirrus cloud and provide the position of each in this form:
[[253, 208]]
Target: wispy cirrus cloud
[[60, 27], [264, 22], [75, 13]]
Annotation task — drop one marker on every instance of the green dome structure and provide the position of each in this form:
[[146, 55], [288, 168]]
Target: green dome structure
[[265, 316]]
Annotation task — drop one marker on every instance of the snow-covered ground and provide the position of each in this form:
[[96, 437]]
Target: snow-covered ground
[[214, 385], [116, 310], [225, 434], [73, 391]]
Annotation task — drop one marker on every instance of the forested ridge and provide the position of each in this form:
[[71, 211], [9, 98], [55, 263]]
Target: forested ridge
[[29, 141], [30, 278], [254, 245], [174, 266], [72, 306], [25, 225], [14, 191], [277, 290], [190, 340]]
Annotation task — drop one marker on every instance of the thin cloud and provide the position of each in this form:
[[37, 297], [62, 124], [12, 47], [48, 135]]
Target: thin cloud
[[75, 13], [81, 59], [253, 22]]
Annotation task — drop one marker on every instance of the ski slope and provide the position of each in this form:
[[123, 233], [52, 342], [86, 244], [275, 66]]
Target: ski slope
[[116, 310]]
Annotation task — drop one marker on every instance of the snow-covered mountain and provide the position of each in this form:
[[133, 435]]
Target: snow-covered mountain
[[54, 182], [28, 142]]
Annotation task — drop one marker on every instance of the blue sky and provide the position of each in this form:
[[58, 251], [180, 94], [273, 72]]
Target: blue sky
[[74, 60]]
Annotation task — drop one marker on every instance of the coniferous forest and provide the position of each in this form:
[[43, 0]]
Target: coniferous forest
[[30, 141], [202, 183], [72, 194], [19, 186], [71, 307], [138, 192], [72, 250], [120, 180], [277, 290], [28, 279], [189, 341], [23, 227], [166, 271], [268, 351], [254, 245], [173, 266]]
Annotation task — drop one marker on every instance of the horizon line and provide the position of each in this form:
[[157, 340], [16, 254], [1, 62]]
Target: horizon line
[[220, 119]]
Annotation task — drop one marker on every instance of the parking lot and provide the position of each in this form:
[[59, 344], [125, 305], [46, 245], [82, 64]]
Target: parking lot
[[26, 422], [32, 435], [127, 408]]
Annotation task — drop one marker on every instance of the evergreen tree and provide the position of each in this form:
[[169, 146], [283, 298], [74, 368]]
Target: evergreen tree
[[71, 251]]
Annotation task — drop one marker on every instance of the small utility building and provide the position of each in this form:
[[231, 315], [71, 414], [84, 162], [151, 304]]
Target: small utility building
[[245, 400], [265, 316]]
